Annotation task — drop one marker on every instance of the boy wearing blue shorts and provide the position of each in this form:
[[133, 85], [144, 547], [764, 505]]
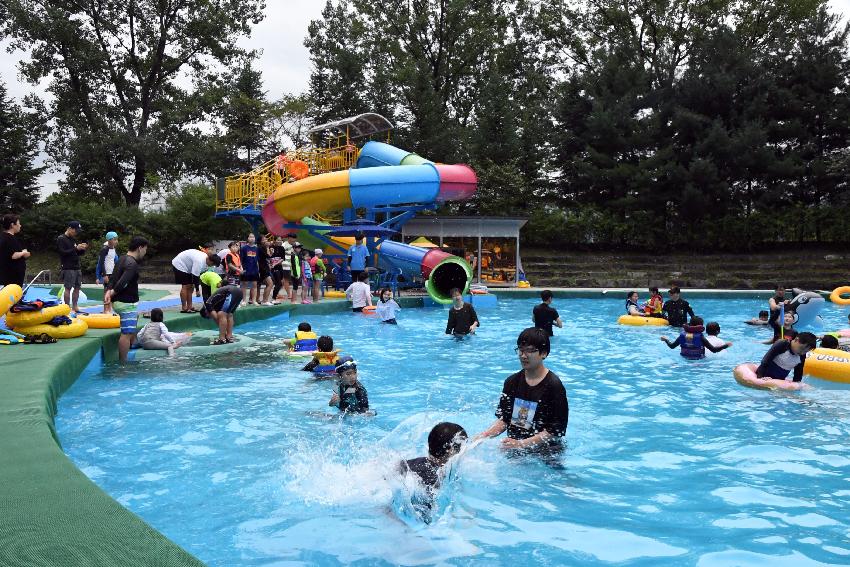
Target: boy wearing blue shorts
[[123, 293]]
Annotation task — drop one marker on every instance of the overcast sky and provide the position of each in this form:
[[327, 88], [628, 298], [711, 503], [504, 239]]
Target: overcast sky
[[284, 62]]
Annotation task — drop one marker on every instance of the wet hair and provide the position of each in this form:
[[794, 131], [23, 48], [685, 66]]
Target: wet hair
[[325, 343], [713, 328], [213, 258], [305, 327], [631, 293], [137, 242], [828, 341], [156, 315], [764, 314], [653, 290], [445, 439], [9, 220], [675, 289], [696, 321], [535, 338], [807, 339], [362, 277], [453, 291], [545, 295]]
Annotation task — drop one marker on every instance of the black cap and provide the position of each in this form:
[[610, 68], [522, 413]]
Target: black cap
[[75, 225]]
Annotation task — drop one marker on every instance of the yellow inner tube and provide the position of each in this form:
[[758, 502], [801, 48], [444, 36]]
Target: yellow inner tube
[[9, 296], [77, 328], [101, 321], [30, 318], [334, 293], [828, 364], [636, 321], [836, 294]]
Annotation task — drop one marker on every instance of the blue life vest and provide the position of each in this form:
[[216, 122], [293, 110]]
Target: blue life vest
[[692, 346], [306, 341], [324, 370], [630, 302]]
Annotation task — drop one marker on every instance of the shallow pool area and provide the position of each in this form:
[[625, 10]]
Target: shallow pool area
[[237, 457]]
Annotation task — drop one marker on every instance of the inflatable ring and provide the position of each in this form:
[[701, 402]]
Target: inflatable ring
[[636, 321], [101, 321], [299, 354], [30, 318], [369, 310], [9, 295], [745, 375], [77, 328], [523, 283], [334, 294], [828, 364], [836, 294]]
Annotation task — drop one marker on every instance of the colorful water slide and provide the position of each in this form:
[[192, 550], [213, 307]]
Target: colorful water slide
[[383, 176]]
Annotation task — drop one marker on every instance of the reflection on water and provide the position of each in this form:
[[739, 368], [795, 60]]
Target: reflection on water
[[237, 457]]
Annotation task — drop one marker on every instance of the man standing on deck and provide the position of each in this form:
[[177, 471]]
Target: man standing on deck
[[69, 259], [124, 293], [357, 256]]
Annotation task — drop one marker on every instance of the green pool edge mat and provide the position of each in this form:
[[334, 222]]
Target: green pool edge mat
[[50, 512]]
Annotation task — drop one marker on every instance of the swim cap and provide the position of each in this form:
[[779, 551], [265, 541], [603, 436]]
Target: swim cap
[[346, 363], [212, 280], [111, 234]]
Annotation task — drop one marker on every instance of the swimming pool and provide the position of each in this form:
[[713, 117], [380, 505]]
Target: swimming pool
[[237, 457]]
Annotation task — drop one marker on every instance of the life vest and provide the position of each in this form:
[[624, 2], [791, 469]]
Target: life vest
[[629, 303], [306, 341], [327, 358], [653, 307], [692, 346]]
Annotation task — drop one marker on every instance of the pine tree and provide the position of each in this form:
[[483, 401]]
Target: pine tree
[[20, 133]]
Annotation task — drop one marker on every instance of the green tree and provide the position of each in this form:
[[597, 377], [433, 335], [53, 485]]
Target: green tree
[[20, 133], [122, 119], [244, 116]]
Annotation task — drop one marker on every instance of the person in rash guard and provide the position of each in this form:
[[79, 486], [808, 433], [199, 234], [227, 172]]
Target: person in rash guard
[[463, 320], [444, 442], [533, 407], [692, 341], [786, 355], [123, 293], [349, 395], [677, 310], [544, 315]]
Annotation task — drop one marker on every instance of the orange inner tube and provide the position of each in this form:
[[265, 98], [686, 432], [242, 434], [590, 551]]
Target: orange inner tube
[[836, 294]]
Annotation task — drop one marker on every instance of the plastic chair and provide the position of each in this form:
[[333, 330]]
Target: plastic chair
[[343, 278], [389, 279]]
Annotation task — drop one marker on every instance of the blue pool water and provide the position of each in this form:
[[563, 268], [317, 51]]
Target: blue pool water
[[238, 458]]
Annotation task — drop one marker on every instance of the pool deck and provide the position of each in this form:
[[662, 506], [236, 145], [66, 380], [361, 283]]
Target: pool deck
[[50, 512]]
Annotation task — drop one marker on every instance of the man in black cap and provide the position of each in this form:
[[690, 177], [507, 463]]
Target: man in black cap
[[69, 258]]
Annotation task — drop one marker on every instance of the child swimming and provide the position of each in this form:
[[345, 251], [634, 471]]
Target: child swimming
[[655, 304], [761, 321], [387, 307], [305, 339], [786, 331], [692, 341], [444, 442], [325, 358], [349, 394]]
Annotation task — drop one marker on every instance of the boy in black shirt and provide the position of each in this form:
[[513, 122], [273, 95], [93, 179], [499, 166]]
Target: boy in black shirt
[[544, 315], [349, 395], [533, 407], [676, 310], [123, 293], [444, 442], [462, 317]]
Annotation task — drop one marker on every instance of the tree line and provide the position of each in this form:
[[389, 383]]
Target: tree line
[[647, 123]]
